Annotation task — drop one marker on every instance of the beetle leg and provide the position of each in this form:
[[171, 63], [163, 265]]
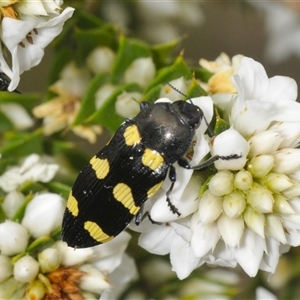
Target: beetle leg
[[172, 177], [185, 164], [141, 216]]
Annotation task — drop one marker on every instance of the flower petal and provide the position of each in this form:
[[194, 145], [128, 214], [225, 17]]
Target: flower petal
[[253, 77], [227, 143], [250, 252], [182, 258]]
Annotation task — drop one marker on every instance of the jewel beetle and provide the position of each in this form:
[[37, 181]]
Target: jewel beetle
[[112, 188]]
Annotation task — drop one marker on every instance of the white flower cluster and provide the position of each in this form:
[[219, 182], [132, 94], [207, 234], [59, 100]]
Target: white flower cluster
[[27, 27], [37, 271], [248, 212]]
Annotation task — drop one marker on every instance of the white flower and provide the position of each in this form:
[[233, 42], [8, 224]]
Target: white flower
[[17, 114], [6, 268], [26, 38], [263, 294], [127, 104], [249, 210], [44, 214], [142, 71], [26, 269], [93, 280], [71, 257], [223, 69], [109, 256], [49, 260], [101, 60], [32, 169], [13, 238], [12, 202], [103, 93], [168, 92]]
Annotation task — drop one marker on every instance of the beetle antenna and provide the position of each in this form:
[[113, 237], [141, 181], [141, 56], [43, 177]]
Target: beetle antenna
[[209, 129]]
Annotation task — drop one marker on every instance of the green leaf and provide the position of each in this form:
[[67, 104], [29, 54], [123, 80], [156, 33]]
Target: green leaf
[[5, 123], [80, 19], [195, 90], [21, 144], [39, 244], [87, 107], [205, 185], [221, 125], [86, 20], [202, 74], [87, 40], [21, 211], [28, 101], [153, 94], [129, 50], [169, 73], [59, 188], [161, 52], [106, 114], [59, 61]]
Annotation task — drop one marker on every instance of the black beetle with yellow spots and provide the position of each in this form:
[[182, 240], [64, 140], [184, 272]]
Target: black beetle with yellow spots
[[131, 168]]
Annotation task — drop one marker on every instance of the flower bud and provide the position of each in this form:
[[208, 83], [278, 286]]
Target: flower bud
[[49, 260], [261, 165], [142, 71], [5, 267], [254, 221], [168, 92], [293, 191], [287, 161], [44, 214], [12, 202], [260, 198], [10, 289], [264, 142], [227, 143], [26, 269], [13, 238], [103, 93], [290, 131], [127, 104], [18, 115], [101, 60], [221, 183], [243, 180], [93, 280], [277, 182], [281, 205], [70, 256], [274, 228], [234, 204], [231, 230], [36, 290], [31, 8], [210, 207]]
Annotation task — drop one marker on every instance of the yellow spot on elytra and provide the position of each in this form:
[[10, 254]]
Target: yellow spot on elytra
[[122, 193], [100, 166], [154, 189], [152, 159], [132, 135], [72, 205], [96, 232]]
